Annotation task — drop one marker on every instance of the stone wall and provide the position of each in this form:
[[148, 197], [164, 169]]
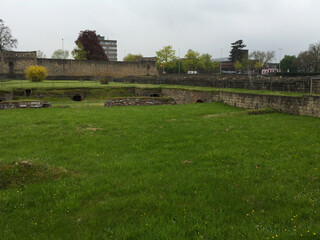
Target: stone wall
[[189, 96], [148, 92], [24, 104], [255, 82], [5, 96], [13, 65], [70, 69], [306, 105], [112, 102]]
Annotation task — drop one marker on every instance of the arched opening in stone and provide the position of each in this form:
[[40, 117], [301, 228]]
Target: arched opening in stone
[[0, 100], [11, 67], [199, 101], [28, 92], [77, 98], [154, 95]]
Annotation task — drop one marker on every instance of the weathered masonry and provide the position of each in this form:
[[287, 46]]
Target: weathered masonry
[[256, 82], [13, 65], [306, 105]]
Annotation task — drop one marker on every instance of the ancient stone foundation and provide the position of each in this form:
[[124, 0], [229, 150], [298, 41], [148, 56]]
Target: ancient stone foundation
[[255, 82], [306, 105], [140, 101], [24, 104]]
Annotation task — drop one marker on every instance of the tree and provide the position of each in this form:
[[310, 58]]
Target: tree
[[262, 57], [258, 65], [60, 54], [305, 61], [41, 54], [192, 60], [309, 61], [7, 42], [238, 66], [132, 57], [288, 63], [166, 57], [79, 53], [206, 63], [216, 67], [237, 52], [91, 45], [314, 50]]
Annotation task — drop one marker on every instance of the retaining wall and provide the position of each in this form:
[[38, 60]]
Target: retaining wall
[[6, 96], [138, 101], [306, 105], [24, 104], [255, 82]]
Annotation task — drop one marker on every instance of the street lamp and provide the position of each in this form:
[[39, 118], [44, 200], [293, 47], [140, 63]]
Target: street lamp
[[179, 62], [280, 49], [221, 61]]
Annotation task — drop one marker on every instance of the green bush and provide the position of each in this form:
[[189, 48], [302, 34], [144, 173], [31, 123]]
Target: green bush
[[36, 73]]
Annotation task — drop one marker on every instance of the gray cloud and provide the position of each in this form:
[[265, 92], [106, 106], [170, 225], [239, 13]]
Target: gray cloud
[[145, 26]]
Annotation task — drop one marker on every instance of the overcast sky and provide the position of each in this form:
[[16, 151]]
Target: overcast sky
[[145, 26]]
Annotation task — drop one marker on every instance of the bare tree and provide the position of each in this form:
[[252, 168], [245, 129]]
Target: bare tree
[[60, 54], [262, 57], [41, 54], [314, 50], [306, 61], [7, 42]]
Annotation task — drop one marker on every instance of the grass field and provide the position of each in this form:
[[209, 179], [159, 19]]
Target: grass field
[[199, 171]]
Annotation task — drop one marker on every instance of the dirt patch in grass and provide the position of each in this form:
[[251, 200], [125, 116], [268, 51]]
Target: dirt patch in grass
[[19, 174], [231, 114], [249, 112], [88, 128], [261, 111]]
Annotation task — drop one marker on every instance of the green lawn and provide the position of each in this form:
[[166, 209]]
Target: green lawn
[[198, 171]]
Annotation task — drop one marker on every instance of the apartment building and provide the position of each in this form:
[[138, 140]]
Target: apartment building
[[109, 47]]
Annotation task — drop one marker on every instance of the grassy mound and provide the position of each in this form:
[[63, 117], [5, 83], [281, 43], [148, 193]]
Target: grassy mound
[[20, 174]]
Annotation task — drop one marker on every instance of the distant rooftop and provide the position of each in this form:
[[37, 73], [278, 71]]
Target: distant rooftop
[[224, 59]]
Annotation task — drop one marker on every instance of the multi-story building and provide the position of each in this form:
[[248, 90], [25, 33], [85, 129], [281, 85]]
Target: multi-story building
[[109, 47]]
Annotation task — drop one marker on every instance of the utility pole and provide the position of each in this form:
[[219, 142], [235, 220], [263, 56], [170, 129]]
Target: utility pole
[[62, 44]]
